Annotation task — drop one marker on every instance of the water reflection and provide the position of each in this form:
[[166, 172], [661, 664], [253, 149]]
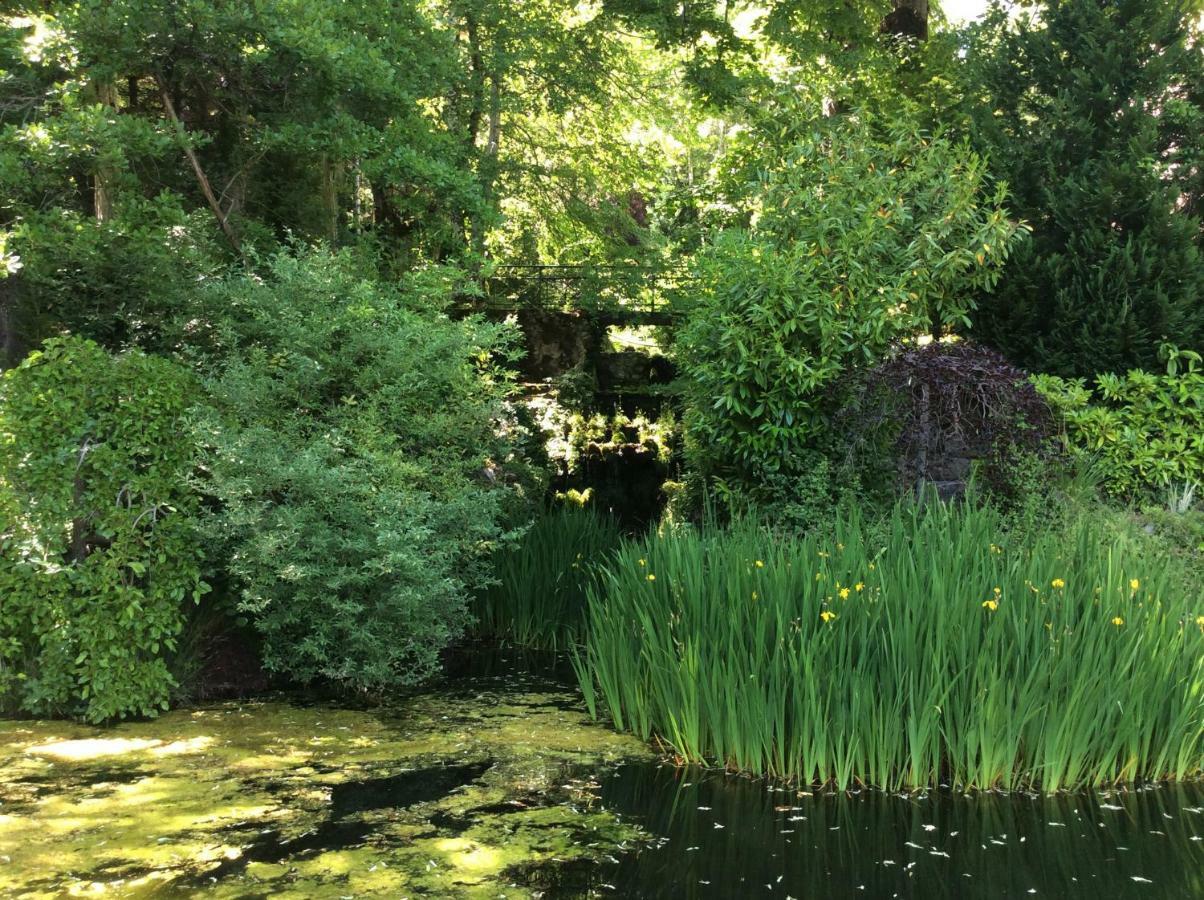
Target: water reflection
[[511, 666], [724, 836]]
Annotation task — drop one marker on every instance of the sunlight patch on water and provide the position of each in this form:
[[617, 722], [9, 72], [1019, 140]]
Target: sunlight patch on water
[[95, 748]]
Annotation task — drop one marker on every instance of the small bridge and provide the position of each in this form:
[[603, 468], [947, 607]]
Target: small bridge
[[609, 294]]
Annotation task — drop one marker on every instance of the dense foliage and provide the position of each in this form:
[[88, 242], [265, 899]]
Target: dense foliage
[[144, 143], [98, 550], [1092, 114], [539, 599], [868, 233], [355, 458], [1143, 432], [939, 648]]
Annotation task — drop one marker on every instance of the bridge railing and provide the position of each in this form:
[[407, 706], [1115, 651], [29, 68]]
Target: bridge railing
[[615, 290]]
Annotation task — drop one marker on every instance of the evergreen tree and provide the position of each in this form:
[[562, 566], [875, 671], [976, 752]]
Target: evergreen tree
[[1090, 111]]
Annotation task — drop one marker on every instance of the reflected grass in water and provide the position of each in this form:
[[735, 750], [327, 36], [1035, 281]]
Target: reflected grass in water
[[723, 836]]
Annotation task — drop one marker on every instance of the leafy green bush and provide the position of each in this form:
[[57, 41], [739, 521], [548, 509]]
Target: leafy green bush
[[98, 555], [116, 282], [939, 648], [865, 235], [540, 597], [1143, 431], [360, 461]]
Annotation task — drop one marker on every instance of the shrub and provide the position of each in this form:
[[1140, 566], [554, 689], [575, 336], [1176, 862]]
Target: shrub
[[98, 556], [1144, 432], [865, 235], [540, 596], [938, 648], [361, 464], [118, 281]]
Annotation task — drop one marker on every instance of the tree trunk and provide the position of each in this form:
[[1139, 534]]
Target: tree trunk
[[235, 193], [477, 80], [487, 170], [12, 347], [357, 210], [330, 198], [206, 189], [909, 19], [80, 527], [105, 94], [470, 219]]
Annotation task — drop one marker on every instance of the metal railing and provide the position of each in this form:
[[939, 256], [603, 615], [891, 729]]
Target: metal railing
[[612, 289]]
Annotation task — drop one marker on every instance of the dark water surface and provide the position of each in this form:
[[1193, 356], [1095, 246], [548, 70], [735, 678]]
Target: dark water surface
[[723, 836], [715, 835]]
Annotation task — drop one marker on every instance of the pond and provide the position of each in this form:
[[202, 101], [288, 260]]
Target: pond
[[495, 783], [727, 836]]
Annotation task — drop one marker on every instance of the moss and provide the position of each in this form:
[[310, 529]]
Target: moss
[[239, 798]]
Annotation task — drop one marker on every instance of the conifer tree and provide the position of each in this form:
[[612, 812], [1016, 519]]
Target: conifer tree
[[1091, 113]]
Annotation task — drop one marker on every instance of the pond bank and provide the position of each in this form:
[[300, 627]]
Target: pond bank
[[494, 783]]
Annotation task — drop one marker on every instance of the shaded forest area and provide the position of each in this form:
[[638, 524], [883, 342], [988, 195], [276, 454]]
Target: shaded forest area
[[277, 410]]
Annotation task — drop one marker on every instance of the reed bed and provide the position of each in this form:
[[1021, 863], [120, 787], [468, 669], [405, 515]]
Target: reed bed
[[540, 597], [930, 649]]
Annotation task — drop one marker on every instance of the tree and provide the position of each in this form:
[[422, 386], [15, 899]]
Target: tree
[[867, 233], [1086, 110], [151, 142], [99, 557], [145, 144]]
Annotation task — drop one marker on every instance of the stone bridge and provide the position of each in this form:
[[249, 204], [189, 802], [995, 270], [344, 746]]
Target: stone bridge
[[605, 294]]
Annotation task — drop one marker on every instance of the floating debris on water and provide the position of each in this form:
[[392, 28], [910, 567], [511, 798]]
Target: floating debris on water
[[992, 844]]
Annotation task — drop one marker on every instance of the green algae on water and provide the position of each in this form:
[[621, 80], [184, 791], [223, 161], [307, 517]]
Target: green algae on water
[[460, 793]]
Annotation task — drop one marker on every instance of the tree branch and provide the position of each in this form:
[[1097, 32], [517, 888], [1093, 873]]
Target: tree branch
[[206, 189]]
